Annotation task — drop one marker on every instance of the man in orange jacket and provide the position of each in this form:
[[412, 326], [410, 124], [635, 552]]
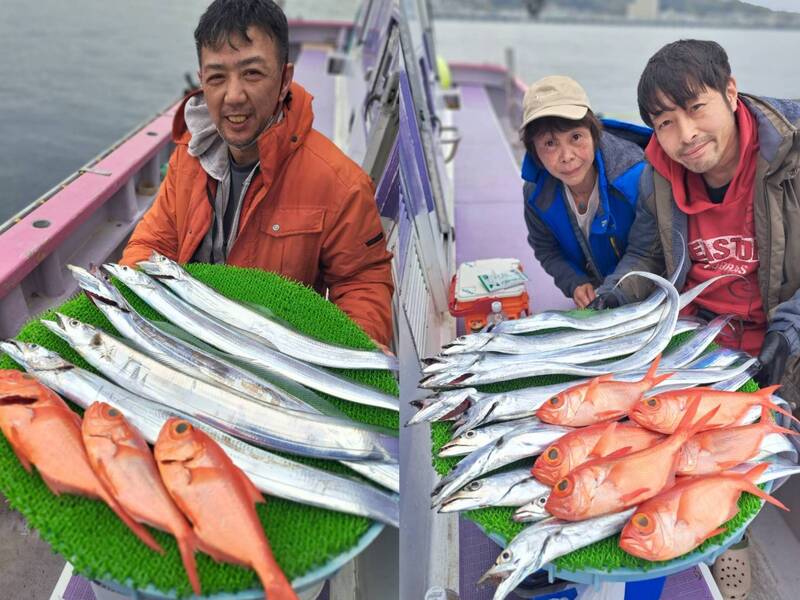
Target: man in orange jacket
[[251, 184]]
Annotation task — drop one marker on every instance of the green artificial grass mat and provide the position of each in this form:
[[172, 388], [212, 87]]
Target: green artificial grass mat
[[303, 538], [604, 555]]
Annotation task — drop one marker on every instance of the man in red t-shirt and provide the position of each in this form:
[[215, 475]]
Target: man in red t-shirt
[[722, 188]]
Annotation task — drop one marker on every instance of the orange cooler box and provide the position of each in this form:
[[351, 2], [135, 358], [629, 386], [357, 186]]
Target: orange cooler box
[[478, 284]]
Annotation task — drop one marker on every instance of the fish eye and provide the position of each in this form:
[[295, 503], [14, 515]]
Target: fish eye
[[555, 401], [182, 427], [506, 555], [74, 322], [563, 487], [644, 523], [652, 402], [475, 485], [113, 412], [542, 500], [552, 454], [470, 434]]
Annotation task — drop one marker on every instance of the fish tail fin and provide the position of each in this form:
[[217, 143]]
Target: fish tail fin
[[651, 372], [771, 425], [766, 402], [187, 545], [651, 378], [276, 586], [659, 379], [748, 479], [766, 392], [749, 486]]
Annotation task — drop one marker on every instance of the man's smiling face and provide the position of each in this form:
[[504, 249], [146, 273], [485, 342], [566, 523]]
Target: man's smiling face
[[701, 135], [244, 84]]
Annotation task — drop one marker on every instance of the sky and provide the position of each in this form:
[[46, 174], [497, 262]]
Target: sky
[[788, 5]]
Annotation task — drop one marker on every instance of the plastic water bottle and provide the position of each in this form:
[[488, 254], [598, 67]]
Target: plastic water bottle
[[496, 316]]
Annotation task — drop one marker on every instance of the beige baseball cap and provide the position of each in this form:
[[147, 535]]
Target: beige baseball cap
[[554, 96]]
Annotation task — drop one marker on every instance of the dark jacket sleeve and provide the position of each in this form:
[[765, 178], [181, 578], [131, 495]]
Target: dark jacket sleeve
[[786, 320], [644, 251], [548, 252]]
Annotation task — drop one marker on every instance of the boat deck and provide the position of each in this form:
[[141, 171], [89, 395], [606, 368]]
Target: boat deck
[[29, 568], [489, 219], [489, 223], [311, 70]]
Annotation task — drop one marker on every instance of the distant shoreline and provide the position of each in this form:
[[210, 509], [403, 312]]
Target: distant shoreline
[[518, 16]]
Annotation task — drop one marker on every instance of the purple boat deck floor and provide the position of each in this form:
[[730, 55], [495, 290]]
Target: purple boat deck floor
[[79, 588], [311, 71], [477, 554], [488, 198]]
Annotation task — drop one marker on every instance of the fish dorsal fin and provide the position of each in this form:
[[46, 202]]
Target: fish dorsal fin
[[686, 425], [605, 443]]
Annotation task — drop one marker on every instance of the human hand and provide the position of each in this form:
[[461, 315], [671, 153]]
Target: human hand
[[604, 301], [772, 358], [583, 295]]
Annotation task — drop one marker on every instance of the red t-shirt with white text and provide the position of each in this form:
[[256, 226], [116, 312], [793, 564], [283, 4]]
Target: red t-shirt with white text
[[722, 238]]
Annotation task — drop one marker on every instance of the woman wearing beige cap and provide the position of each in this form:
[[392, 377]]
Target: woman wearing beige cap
[[581, 185]]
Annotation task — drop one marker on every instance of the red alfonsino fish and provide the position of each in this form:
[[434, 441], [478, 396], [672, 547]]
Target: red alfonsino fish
[[613, 483], [598, 400], [121, 459], [664, 411], [219, 500], [578, 446], [716, 450], [45, 433], [683, 517]]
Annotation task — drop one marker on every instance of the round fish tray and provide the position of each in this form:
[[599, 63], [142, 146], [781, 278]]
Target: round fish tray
[[310, 543], [708, 556], [305, 583], [594, 576]]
